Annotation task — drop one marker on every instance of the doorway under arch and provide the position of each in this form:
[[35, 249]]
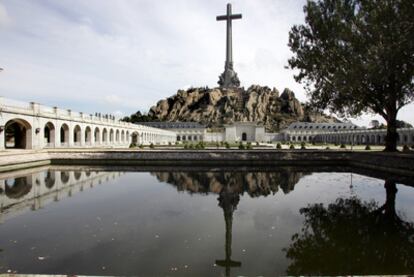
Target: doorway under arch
[[77, 133], [244, 137], [64, 135], [97, 135], [49, 134], [18, 134], [88, 135], [134, 138], [105, 136]]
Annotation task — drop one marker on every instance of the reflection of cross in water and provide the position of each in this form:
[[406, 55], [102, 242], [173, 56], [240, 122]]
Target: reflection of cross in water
[[228, 202]]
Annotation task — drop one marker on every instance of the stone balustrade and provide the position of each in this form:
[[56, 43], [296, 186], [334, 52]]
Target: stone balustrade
[[35, 126]]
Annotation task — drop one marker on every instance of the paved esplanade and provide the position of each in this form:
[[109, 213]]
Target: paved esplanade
[[229, 77]]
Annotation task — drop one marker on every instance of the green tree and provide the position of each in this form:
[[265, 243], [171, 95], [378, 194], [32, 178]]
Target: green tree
[[139, 117], [357, 56]]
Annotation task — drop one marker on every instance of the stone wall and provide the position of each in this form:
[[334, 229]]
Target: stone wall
[[400, 163]]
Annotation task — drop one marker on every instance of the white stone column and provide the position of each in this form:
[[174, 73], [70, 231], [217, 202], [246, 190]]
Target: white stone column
[[71, 142]]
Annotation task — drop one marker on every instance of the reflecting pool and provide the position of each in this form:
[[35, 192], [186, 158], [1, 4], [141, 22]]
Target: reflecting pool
[[205, 222]]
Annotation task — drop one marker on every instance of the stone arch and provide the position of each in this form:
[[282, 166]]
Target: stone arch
[[111, 135], [17, 188], [77, 175], [405, 138], [134, 138], [105, 136], [77, 134], [117, 138], [64, 134], [127, 136], [64, 177], [18, 134], [244, 136], [49, 179], [372, 139], [49, 134], [97, 134], [88, 135]]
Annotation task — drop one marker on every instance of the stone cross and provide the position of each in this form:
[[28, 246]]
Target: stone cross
[[229, 77]]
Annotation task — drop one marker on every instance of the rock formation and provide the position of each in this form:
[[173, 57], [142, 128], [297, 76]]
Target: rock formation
[[256, 184], [218, 106]]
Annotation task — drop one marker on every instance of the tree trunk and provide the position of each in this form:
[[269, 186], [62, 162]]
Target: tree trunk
[[392, 135], [391, 192]]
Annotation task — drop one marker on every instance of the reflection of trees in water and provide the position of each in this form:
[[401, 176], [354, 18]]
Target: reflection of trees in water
[[353, 237], [17, 188], [254, 183]]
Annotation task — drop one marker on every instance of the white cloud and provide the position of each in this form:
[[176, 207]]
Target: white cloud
[[126, 55], [4, 17]]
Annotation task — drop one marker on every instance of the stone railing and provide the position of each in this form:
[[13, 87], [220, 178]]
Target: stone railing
[[35, 109]]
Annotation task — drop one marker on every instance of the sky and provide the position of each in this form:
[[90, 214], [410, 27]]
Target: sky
[[122, 56]]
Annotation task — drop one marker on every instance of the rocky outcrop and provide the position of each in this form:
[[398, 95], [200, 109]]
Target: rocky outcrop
[[256, 184], [215, 107]]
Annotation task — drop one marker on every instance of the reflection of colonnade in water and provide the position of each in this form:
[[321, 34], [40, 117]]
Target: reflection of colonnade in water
[[229, 186], [31, 190]]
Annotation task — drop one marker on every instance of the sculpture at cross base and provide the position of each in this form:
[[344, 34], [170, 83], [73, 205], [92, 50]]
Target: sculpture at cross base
[[228, 78]]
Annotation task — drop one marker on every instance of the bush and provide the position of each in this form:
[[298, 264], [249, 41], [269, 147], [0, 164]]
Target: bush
[[257, 143], [132, 145], [303, 145], [169, 143], [327, 148], [227, 145], [217, 145], [343, 146], [367, 147], [141, 146], [406, 148], [200, 145], [291, 146], [185, 146], [241, 146], [152, 146], [278, 146], [191, 146], [249, 145]]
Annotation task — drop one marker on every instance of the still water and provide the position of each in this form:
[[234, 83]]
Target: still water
[[205, 222]]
